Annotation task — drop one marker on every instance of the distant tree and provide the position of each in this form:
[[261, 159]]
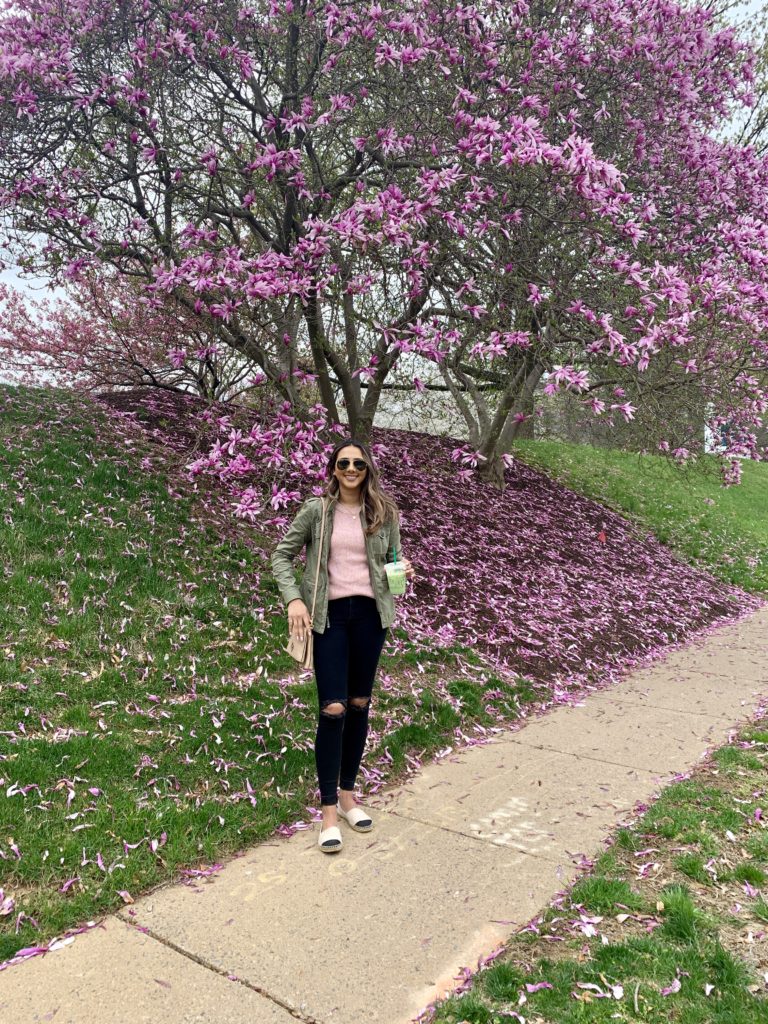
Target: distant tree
[[750, 126], [108, 335]]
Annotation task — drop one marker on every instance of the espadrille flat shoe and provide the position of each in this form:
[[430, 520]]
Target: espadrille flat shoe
[[356, 818], [329, 839]]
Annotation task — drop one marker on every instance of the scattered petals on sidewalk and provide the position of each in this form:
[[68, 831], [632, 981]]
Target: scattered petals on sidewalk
[[190, 874], [58, 942]]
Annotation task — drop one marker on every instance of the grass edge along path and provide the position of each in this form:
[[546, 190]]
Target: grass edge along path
[[669, 923]]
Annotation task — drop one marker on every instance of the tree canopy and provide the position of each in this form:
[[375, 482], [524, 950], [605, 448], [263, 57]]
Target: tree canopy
[[347, 193]]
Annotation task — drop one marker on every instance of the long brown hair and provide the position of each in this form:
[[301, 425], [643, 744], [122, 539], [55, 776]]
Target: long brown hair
[[379, 506]]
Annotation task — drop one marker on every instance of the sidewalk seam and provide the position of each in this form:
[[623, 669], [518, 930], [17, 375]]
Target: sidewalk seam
[[601, 760], [145, 930], [659, 707]]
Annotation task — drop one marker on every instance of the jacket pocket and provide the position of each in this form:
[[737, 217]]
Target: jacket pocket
[[379, 544]]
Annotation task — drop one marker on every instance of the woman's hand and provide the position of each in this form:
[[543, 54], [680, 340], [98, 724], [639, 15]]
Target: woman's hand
[[409, 570], [299, 622]]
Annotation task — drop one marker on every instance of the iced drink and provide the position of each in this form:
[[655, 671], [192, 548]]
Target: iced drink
[[395, 577]]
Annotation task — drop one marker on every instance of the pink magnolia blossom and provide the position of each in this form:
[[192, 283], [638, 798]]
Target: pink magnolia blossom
[[524, 220]]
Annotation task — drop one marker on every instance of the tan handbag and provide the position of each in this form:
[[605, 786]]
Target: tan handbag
[[302, 651]]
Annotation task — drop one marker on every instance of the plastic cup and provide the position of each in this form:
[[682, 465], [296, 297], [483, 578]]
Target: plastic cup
[[395, 577]]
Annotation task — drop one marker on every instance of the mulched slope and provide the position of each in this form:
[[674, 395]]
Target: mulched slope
[[540, 580], [525, 575]]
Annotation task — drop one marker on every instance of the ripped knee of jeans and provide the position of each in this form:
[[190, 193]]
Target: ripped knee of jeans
[[333, 708], [360, 703]]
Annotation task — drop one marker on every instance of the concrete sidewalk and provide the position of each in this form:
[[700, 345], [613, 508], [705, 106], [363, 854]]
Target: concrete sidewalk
[[462, 854]]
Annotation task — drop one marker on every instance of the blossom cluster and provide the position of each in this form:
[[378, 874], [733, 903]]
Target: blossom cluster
[[491, 184]]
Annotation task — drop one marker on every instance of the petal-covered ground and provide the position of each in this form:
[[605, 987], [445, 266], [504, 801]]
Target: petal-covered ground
[[546, 582], [540, 580], [141, 641]]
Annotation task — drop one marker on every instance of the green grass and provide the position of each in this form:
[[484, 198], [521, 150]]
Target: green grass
[[602, 895], [669, 941], [693, 811], [692, 866], [591, 993], [149, 720], [681, 918], [750, 873], [722, 529]]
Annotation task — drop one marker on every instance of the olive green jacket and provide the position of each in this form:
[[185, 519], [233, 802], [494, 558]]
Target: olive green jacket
[[305, 529]]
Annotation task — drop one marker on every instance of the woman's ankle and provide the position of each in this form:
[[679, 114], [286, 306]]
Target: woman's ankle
[[347, 799], [330, 816]]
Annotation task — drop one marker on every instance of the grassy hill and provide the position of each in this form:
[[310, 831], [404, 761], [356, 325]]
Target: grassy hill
[[537, 579], [724, 530], [149, 723]]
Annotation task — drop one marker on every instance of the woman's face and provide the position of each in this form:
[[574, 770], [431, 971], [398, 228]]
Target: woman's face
[[350, 479]]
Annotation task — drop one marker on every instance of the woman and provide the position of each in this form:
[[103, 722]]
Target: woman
[[353, 611]]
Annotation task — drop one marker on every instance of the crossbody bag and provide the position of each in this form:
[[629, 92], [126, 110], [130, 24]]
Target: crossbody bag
[[302, 651]]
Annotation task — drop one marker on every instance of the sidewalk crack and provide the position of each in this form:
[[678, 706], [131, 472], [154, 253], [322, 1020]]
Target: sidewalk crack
[[296, 1014], [660, 707], [600, 760]]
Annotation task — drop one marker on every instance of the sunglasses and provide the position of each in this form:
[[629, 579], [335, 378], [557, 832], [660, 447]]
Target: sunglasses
[[359, 464]]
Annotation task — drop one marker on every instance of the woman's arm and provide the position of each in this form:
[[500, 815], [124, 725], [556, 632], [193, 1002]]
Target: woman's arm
[[299, 532]]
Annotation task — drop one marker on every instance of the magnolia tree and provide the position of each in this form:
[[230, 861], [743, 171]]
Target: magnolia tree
[[651, 295], [419, 194], [751, 128], [106, 335]]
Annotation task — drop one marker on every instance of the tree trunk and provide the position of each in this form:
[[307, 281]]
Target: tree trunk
[[360, 428], [498, 443], [492, 472], [525, 430], [316, 331]]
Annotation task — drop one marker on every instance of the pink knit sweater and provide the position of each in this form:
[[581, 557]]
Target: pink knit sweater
[[347, 561]]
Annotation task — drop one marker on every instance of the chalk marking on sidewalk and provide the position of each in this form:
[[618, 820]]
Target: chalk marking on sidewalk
[[486, 840]]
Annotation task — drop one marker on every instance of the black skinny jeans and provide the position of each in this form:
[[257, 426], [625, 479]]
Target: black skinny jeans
[[346, 656]]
